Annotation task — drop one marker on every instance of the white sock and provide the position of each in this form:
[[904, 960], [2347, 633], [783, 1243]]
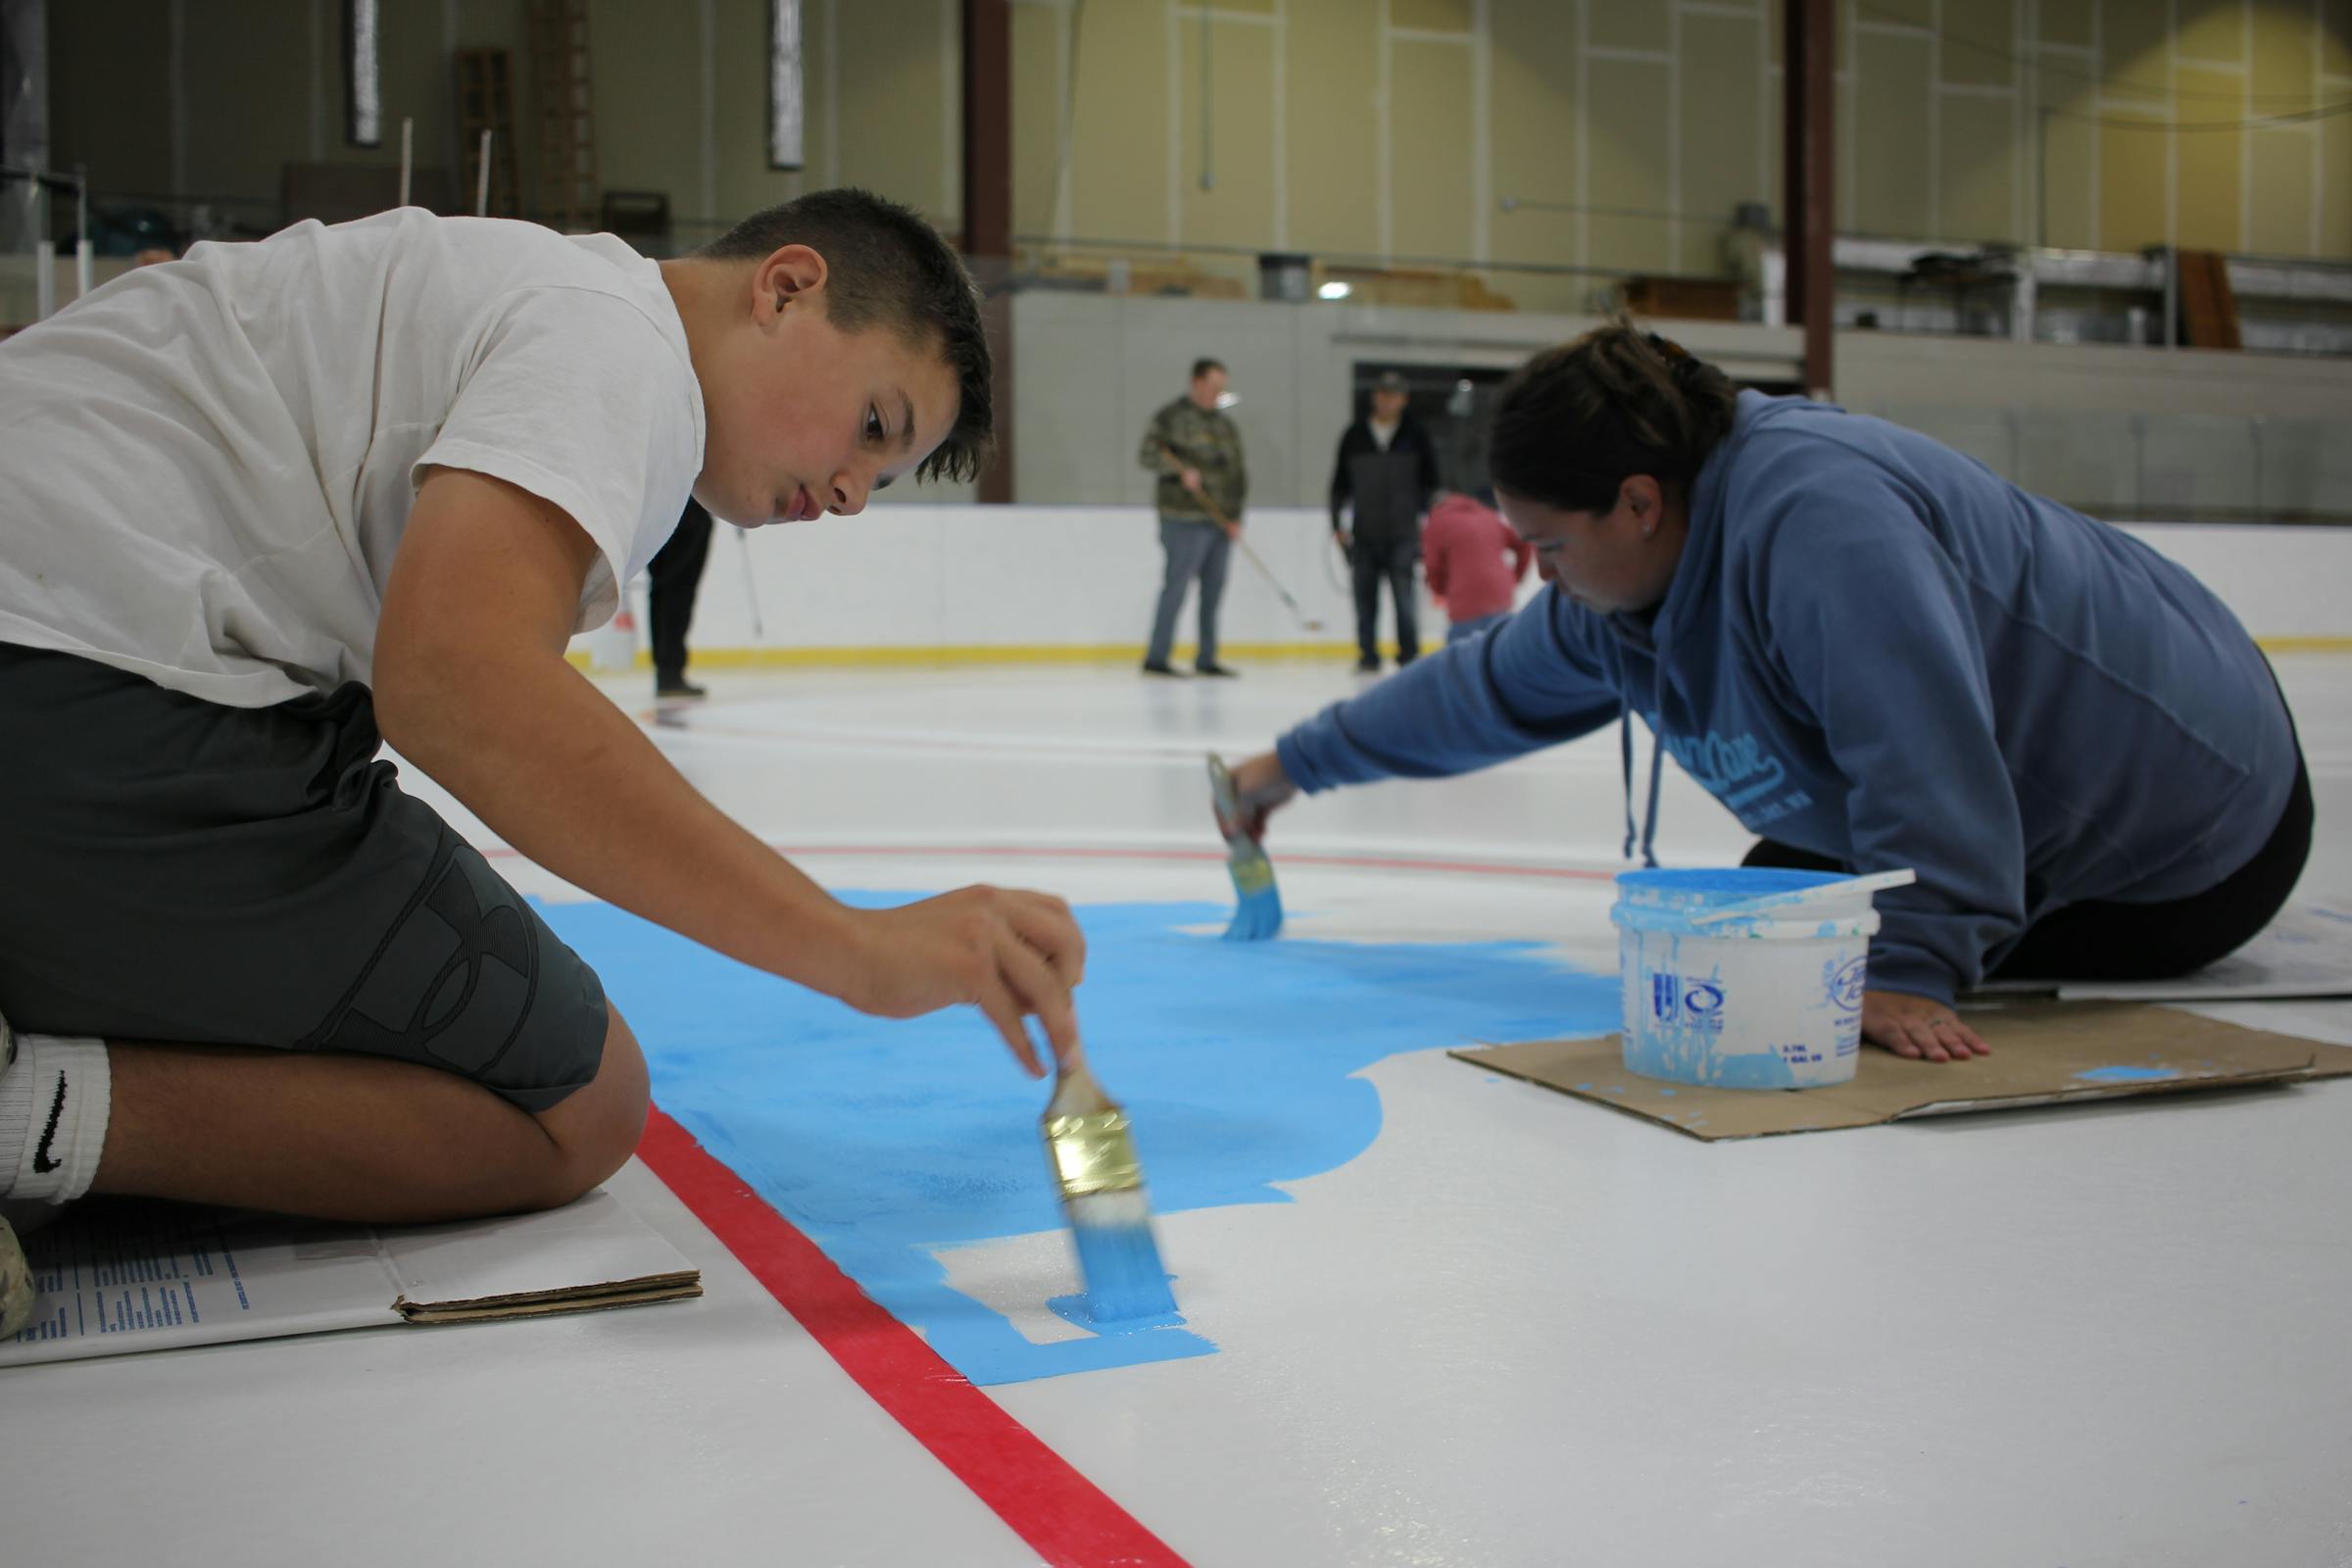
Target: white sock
[[54, 1106]]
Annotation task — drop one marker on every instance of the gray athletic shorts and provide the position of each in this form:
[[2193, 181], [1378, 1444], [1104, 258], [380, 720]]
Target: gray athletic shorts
[[171, 869]]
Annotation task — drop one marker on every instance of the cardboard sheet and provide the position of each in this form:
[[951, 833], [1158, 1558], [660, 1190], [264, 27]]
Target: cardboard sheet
[[2044, 1053], [2306, 952], [115, 1278]]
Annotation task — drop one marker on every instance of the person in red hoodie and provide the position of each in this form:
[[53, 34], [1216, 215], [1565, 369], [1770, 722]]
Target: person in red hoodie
[[1475, 562]]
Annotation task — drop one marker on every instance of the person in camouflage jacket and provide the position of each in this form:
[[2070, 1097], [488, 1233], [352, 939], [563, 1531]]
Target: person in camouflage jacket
[[1197, 453]]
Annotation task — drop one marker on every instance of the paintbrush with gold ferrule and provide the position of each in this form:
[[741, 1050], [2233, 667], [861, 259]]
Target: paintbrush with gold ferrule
[[1092, 1151]]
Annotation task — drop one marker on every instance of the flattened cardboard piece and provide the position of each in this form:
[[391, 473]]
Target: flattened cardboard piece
[[2305, 952], [2044, 1053], [115, 1278]]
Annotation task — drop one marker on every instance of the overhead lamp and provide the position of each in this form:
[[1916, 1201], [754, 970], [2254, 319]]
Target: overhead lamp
[[786, 101], [362, 76]]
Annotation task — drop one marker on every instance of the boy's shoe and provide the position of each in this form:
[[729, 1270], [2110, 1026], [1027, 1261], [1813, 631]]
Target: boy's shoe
[[1367, 666], [679, 687], [15, 1284], [1221, 672], [1161, 667]]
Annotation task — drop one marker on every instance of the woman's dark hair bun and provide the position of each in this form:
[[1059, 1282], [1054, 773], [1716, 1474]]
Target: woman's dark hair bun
[[1575, 422]]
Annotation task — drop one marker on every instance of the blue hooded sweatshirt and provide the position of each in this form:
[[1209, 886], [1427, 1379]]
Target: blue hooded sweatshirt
[[1880, 651]]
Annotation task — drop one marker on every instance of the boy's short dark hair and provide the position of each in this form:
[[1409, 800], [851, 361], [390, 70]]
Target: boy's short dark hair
[[887, 267], [1201, 368]]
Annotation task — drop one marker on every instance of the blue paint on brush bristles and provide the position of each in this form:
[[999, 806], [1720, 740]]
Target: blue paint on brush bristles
[[1119, 1259], [1257, 907], [1257, 914]]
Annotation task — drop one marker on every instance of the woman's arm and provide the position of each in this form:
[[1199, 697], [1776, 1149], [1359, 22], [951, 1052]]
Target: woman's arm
[[1537, 681]]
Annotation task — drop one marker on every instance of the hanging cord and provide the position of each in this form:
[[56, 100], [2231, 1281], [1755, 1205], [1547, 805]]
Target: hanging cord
[[1649, 825], [1625, 757]]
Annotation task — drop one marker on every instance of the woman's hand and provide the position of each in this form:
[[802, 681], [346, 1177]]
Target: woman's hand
[[1259, 786], [1917, 1027]]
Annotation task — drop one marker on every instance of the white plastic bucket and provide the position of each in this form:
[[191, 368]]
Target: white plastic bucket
[[1746, 1004]]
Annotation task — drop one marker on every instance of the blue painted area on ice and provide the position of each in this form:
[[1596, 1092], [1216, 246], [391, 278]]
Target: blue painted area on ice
[[885, 1141], [2128, 1075]]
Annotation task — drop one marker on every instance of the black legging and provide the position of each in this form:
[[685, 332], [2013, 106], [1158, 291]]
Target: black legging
[[1374, 562], [676, 570], [2102, 939]]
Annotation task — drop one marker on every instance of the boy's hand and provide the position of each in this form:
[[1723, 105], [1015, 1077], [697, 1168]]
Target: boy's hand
[[1013, 955], [1260, 786], [1918, 1028], [1189, 479]]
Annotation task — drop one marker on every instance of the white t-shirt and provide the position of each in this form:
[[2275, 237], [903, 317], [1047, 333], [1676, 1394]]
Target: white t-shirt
[[210, 464]]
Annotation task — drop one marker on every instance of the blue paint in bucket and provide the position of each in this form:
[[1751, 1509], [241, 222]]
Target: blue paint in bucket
[[1754, 1003]]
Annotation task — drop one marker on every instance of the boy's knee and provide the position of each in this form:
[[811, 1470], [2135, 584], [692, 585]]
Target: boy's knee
[[596, 1129]]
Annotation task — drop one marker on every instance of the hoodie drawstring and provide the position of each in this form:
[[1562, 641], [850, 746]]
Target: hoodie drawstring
[[1649, 824], [1625, 753]]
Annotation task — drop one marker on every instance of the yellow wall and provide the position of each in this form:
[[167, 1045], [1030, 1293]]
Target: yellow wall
[[1622, 133], [1616, 134]]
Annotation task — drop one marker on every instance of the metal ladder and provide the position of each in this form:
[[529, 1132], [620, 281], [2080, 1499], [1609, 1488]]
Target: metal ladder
[[568, 188], [486, 103]]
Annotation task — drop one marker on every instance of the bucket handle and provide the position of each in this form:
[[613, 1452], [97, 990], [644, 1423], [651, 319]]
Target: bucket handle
[[1773, 903]]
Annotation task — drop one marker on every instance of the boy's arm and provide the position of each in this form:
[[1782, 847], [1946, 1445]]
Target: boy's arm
[[472, 686]]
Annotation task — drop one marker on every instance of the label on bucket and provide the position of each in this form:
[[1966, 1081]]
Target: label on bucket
[[1844, 981], [1693, 1004]]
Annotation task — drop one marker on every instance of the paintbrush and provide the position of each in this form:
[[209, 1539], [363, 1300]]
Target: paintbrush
[[1092, 1152], [1257, 907]]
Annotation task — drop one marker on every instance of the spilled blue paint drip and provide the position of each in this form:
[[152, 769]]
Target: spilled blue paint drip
[[2128, 1075], [887, 1141]]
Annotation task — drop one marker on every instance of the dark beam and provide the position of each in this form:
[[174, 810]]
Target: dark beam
[[988, 204], [1809, 183]]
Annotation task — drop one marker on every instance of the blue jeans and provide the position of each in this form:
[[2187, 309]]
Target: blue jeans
[[1194, 549], [1374, 562]]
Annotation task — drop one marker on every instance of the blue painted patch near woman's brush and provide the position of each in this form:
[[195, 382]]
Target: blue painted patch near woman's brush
[[886, 1141], [2128, 1075]]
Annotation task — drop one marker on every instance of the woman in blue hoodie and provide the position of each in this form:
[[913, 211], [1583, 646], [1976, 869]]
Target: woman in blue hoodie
[[1876, 653]]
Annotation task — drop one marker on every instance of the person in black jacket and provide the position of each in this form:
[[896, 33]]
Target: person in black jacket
[[1387, 473]]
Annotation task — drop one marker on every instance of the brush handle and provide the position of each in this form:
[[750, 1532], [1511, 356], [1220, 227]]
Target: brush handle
[[1225, 801], [1075, 1091]]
